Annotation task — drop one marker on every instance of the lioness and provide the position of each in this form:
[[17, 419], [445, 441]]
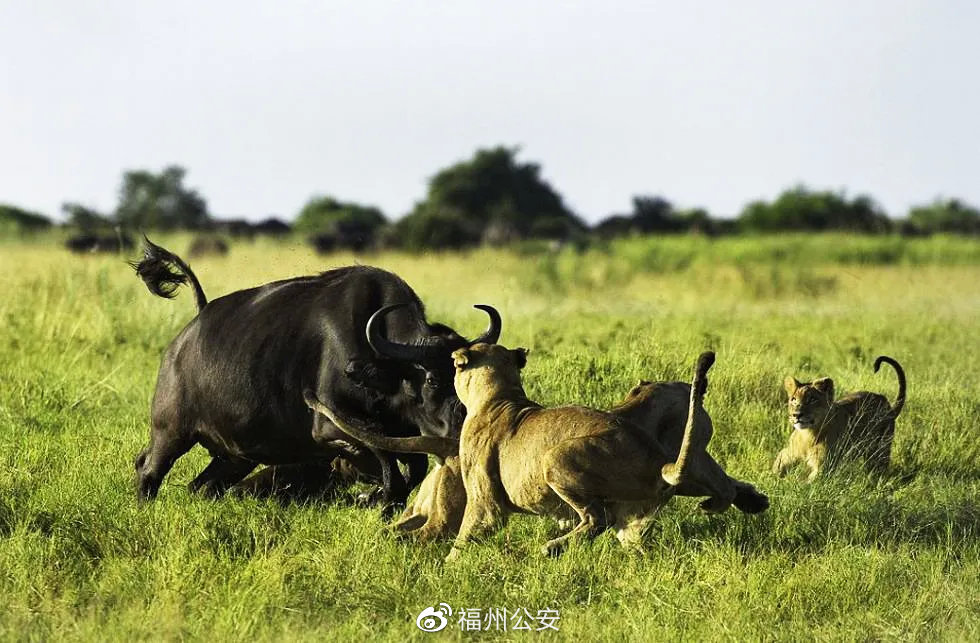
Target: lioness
[[658, 408], [517, 456], [661, 409], [827, 432]]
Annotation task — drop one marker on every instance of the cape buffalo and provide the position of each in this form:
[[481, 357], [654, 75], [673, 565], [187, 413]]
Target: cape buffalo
[[233, 379], [207, 245], [89, 242]]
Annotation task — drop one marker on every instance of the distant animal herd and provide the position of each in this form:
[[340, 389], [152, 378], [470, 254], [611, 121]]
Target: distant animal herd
[[340, 376], [215, 240]]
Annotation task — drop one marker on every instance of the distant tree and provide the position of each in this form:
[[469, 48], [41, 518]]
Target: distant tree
[[272, 227], [323, 214], [84, 218], [491, 196], [655, 215], [148, 200], [436, 230], [331, 224], [14, 220], [617, 225], [802, 209], [945, 215], [698, 220]]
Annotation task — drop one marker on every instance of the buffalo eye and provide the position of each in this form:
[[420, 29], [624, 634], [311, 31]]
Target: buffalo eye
[[431, 381]]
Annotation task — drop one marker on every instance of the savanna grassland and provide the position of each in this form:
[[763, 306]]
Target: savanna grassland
[[844, 558]]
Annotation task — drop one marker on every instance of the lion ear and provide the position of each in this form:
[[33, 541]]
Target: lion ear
[[461, 357], [520, 356], [791, 384], [825, 385]]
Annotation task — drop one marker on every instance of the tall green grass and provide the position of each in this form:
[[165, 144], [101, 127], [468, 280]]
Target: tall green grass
[[841, 559]]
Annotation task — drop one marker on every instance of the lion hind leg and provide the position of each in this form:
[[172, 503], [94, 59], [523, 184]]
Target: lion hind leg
[[568, 485], [707, 478], [590, 525], [881, 452], [411, 522]]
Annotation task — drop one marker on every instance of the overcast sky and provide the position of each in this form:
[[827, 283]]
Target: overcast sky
[[708, 103]]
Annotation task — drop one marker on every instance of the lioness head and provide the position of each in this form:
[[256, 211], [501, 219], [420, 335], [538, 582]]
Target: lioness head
[[809, 402], [483, 370]]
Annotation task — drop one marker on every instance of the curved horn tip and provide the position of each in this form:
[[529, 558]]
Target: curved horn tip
[[492, 333], [384, 310]]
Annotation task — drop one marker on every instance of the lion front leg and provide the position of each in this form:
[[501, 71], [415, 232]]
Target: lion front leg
[[815, 461], [477, 521], [482, 513], [785, 459]]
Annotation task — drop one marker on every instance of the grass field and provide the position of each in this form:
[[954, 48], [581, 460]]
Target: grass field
[[840, 559]]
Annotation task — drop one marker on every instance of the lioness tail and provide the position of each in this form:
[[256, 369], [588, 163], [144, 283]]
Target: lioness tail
[[156, 269], [900, 400], [673, 472], [442, 447]]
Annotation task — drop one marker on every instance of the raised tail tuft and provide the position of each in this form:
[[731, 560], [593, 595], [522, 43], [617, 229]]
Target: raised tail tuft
[[900, 400], [163, 272], [673, 472]]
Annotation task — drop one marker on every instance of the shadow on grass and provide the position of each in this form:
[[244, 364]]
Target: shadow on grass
[[810, 521]]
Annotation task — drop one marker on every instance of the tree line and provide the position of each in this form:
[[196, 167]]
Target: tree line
[[494, 199]]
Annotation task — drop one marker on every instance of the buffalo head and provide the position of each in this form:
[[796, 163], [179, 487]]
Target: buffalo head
[[418, 376]]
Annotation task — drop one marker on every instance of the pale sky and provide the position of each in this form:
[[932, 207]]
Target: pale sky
[[708, 103]]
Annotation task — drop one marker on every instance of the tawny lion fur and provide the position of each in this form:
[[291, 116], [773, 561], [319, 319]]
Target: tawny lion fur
[[659, 408], [516, 456], [828, 432]]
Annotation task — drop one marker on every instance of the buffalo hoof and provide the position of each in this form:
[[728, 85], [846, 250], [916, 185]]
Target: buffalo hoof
[[370, 498], [376, 498]]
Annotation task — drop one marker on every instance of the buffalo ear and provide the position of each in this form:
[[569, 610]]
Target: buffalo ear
[[461, 358], [520, 356], [825, 385], [791, 384]]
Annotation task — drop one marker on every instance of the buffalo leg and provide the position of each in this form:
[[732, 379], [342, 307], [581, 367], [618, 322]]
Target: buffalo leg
[[220, 474], [301, 481], [394, 489], [156, 460]]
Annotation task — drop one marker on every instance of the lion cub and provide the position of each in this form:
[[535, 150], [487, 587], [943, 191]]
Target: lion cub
[[516, 456], [827, 432]]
